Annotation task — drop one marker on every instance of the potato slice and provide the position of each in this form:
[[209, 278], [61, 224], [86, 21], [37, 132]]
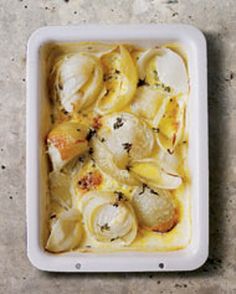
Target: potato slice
[[66, 141], [169, 123], [60, 188], [156, 209], [150, 172], [147, 101], [120, 81], [66, 232]]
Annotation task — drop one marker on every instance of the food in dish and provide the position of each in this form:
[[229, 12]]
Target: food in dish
[[118, 148]]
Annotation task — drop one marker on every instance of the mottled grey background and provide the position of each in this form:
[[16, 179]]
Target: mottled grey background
[[217, 18]]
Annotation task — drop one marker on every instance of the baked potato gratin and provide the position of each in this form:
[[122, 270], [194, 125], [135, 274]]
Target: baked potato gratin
[[117, 148]]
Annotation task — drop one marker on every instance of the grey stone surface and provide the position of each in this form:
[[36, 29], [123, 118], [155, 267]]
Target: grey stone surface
[[217, 18]]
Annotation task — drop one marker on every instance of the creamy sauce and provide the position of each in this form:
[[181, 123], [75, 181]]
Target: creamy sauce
[[100, 118]]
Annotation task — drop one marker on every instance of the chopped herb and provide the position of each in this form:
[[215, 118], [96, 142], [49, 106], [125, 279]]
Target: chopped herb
[[184, 142], [120, 195], [78, 130], [153, 192], [105, 227], [117, 71], [168, 89], [118, 124], [156, 130], [90, 151], [127, 146], [170, 151], [113, 239], [90, 134], [144, 187], [141, 83], [156, 74]]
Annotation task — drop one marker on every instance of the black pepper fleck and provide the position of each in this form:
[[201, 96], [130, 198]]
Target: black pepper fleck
[[141, 83], [90, 134], [3, 167]]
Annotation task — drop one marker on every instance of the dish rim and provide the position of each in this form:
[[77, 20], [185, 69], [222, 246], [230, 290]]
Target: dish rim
[[113, 262]]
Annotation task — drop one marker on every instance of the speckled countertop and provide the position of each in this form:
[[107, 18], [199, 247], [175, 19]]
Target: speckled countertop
[[18, 19]]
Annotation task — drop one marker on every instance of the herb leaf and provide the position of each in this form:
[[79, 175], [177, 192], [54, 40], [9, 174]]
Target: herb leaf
[[127, 146], [105, 227], [118, 124], [90, 134]]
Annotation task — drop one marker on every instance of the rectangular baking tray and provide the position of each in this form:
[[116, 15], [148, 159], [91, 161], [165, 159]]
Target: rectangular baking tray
[[196, 253]]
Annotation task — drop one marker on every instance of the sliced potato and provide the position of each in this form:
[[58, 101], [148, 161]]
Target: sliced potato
[[147, 101], [120, 81], [60, 188], [156, 209], [126, 137], [66, 141], [172, 71], [66, 232], [169, 122], [144, 59], [150, 172]]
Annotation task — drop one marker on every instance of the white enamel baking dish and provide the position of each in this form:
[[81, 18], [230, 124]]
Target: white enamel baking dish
[[195, 254]]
